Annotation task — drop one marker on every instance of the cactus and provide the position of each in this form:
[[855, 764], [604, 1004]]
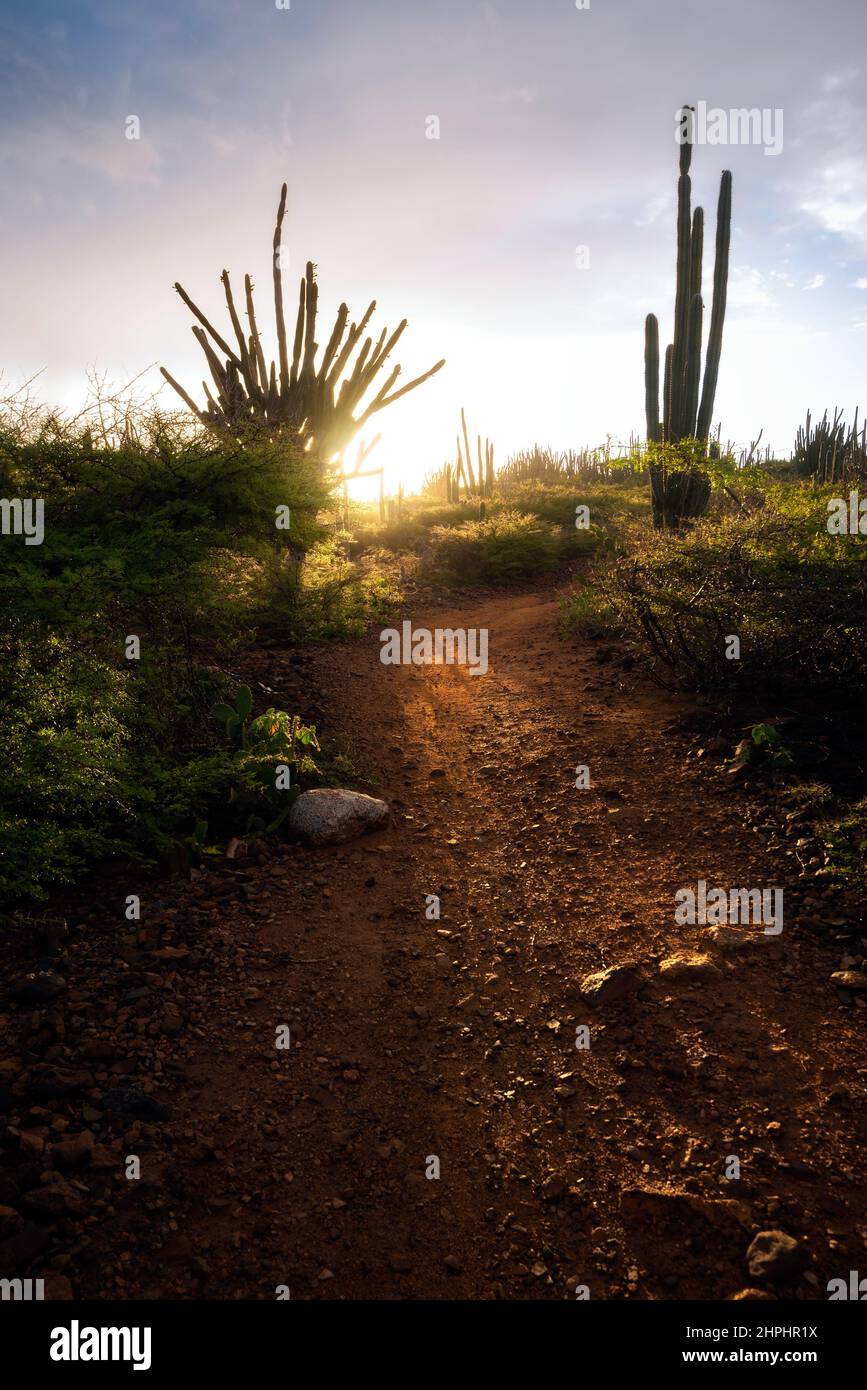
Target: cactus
[[677, 494], [687, 405], [479, 482], [830, 452], [312, 408], [718, 312], [469, 462], [651, 376]]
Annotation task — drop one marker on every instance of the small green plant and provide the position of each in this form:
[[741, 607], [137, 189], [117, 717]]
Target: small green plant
[[235, 717], [843, 840], [762, 749], [273, 754], [277, 747]]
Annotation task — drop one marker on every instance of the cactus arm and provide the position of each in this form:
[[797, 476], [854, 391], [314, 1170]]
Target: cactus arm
[[651, 376], [693, 366], [666, 393], [720, 288]]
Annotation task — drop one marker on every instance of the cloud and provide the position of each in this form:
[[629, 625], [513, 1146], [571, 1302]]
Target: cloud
[[654, 209], [748, 289], [833, 158], [95, 146], [472, 236]]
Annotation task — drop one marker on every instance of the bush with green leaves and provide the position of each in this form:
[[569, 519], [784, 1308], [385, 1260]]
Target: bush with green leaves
[[586, 612], [506, 547], [165, 535], [772, 576]]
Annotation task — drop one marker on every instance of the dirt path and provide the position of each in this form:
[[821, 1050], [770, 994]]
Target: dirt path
[[455, 1039]]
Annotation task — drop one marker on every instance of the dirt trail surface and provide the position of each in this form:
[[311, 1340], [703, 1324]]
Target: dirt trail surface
[[422, 1045]]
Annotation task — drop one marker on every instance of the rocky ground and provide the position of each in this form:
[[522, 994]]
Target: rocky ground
[[437, 1126]]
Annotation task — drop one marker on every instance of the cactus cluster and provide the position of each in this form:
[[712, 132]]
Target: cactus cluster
[[478, 482], [828, 451], [687, 403], [312, 406]]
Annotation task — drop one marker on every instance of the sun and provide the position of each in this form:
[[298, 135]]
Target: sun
[[408, 449]]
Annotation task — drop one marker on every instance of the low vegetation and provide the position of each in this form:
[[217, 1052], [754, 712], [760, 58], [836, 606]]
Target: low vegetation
[[159, 556]]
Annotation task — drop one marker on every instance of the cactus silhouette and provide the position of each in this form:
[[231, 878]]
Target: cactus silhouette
[[687, 402]]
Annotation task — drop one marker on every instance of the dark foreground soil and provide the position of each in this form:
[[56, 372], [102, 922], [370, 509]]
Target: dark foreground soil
[[423, 1047]]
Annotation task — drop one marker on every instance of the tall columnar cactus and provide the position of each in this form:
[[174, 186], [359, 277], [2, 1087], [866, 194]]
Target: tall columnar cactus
[[687, 404]]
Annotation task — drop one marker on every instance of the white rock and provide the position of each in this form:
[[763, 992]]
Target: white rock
[[330, 815]]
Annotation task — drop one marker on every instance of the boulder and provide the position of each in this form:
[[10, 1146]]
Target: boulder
[[331, 816]]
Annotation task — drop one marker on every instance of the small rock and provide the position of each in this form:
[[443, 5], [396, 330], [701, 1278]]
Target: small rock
[[73, 1152], [735, 938], [554, 1189], [45, 1082], [58, 1289], [54, 1200], [170, 1023], [775, 1256], [128, 1100], [10, 1222], [743, 1294], [38, 987], [855, 980], [644, 1204], [607, 986], [19, 1250], [688, 965]]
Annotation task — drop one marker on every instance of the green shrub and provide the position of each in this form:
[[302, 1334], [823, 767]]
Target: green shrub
[[506, 547], [165, 535], [588, 613], [794, 596]]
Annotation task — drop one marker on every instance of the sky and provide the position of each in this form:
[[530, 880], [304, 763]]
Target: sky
[[556, 129]]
